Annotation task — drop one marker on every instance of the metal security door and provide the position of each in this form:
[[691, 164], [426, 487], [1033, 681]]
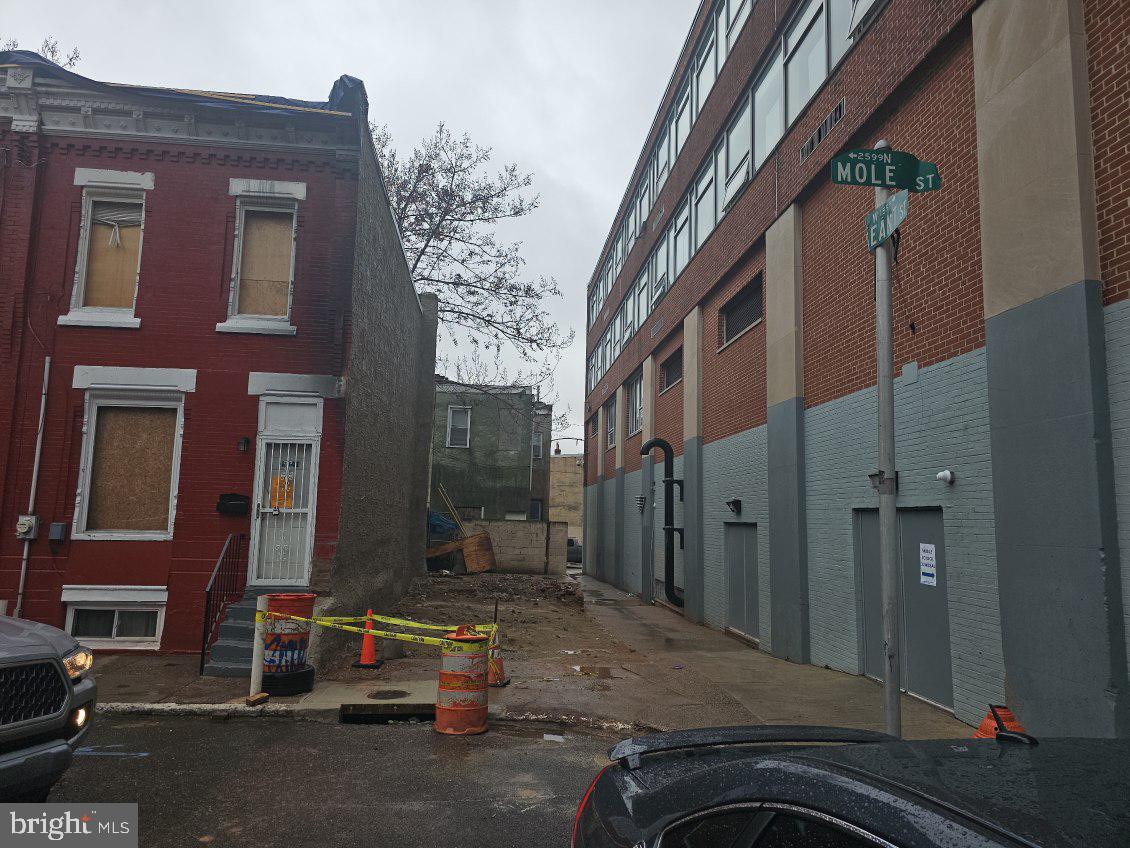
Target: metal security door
[[740, 551], [924, 624], [867, 557], [285, 494], [926, 619]]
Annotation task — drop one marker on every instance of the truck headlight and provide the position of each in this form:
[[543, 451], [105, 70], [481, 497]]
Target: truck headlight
[[78, 662]]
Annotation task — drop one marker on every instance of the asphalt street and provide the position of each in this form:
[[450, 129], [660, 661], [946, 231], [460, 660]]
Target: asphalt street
[[264, 782]]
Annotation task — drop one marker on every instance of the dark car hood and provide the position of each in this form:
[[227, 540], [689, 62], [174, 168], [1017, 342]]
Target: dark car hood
[[18, 636]]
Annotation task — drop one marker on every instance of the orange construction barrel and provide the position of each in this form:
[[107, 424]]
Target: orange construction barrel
[[286, 641], [461, 704]]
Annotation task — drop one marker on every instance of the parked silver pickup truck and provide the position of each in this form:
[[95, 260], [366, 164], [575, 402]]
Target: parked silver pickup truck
[[46, 704]]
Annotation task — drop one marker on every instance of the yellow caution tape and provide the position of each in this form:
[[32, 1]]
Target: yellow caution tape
[[401, 622], [332, 623]]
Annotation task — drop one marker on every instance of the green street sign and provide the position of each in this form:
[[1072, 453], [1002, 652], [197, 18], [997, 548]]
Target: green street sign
[[885, 169], [886, 219]]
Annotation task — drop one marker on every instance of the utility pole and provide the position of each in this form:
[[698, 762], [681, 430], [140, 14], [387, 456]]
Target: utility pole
[[887, 169], [885, 479]]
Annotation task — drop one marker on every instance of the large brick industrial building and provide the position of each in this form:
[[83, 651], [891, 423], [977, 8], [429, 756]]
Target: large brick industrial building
[[732, 314], [210, 292]]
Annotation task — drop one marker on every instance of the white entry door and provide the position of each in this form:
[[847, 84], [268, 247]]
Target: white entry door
[[286, 486]]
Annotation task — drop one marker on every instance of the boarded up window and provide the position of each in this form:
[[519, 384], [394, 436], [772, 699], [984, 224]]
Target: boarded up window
[[264, 266], [112, 252], [131, 469]]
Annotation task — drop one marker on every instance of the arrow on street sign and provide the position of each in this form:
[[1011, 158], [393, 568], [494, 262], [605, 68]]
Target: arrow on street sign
[[885, 169], [886, 219]]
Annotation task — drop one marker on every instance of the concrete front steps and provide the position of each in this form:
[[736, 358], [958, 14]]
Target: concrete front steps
[[231, 652]]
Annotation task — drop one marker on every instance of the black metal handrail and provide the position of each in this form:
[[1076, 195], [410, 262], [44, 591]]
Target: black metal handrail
[[228, 580]]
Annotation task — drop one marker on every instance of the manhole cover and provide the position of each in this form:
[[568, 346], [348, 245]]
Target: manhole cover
[[387, 694]]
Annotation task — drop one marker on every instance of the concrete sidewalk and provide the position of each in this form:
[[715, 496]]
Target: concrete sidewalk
[[685, 675]]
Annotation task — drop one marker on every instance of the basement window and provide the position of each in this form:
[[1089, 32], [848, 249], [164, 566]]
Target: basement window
[[262, 284], [109, 259], [116, 617], [130, 465], [740, 313]]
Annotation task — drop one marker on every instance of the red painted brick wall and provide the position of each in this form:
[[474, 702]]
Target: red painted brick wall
[[937, 281], [733, 378], [183, 290], [1108, 66]]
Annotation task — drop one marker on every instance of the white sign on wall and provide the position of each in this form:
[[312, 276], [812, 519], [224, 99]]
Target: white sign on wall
[[927, 564]]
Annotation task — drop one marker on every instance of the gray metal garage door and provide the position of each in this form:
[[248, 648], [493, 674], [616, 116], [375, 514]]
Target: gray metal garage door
[[925, 607], [740, 550]]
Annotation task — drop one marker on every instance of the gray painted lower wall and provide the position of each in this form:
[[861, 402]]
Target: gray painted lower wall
[[610, 515], [633, 522], [1117, 326], [1057, 542], [789, 625], [734, 468], [692, 522], [941, 421], [617, 569]]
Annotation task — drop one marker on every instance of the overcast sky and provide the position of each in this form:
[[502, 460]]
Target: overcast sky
[[566, 90]]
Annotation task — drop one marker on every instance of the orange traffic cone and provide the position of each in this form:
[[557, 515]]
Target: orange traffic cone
[[496, 669], [368, 646], [997, 718]]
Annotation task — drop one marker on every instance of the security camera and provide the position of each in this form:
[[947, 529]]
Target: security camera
[[946, 476]]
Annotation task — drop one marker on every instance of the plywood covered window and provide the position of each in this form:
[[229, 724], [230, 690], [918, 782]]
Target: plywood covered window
[[113, 251], [108, 260], [131, 457], [266, 262]]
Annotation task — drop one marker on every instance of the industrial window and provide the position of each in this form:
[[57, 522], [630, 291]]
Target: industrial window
[[740, 313], [671, 371], [662, 162], [535, 510], [130, 464], [109, 259], [610, 417], [594, 426], [661, 265], [683, 119], [806, 59], [739, 11], [706, 71], [768, 112], [643, 297], [737, 152], [682, 238], [635, 405], [537, 448], [459, 426], [704, 209]]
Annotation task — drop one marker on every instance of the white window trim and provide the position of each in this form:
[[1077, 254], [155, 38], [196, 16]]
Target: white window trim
[[102, 178], [103, 316], [448, 439], [242, 186], [262, 324], [114, 376], [129, 396], [134, 643]]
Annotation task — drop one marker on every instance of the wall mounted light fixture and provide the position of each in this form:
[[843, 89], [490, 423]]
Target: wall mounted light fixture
[[735, 506]]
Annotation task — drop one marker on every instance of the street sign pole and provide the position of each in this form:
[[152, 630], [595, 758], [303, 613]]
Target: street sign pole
[[884, 481]]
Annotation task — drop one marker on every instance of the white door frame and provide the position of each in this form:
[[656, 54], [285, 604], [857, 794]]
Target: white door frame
[[291, 419]]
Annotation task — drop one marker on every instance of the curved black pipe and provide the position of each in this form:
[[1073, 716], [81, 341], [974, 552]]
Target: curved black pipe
[[669, 482]]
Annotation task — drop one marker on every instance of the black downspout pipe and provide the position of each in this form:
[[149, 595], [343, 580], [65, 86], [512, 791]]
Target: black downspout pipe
[[669, 528]]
